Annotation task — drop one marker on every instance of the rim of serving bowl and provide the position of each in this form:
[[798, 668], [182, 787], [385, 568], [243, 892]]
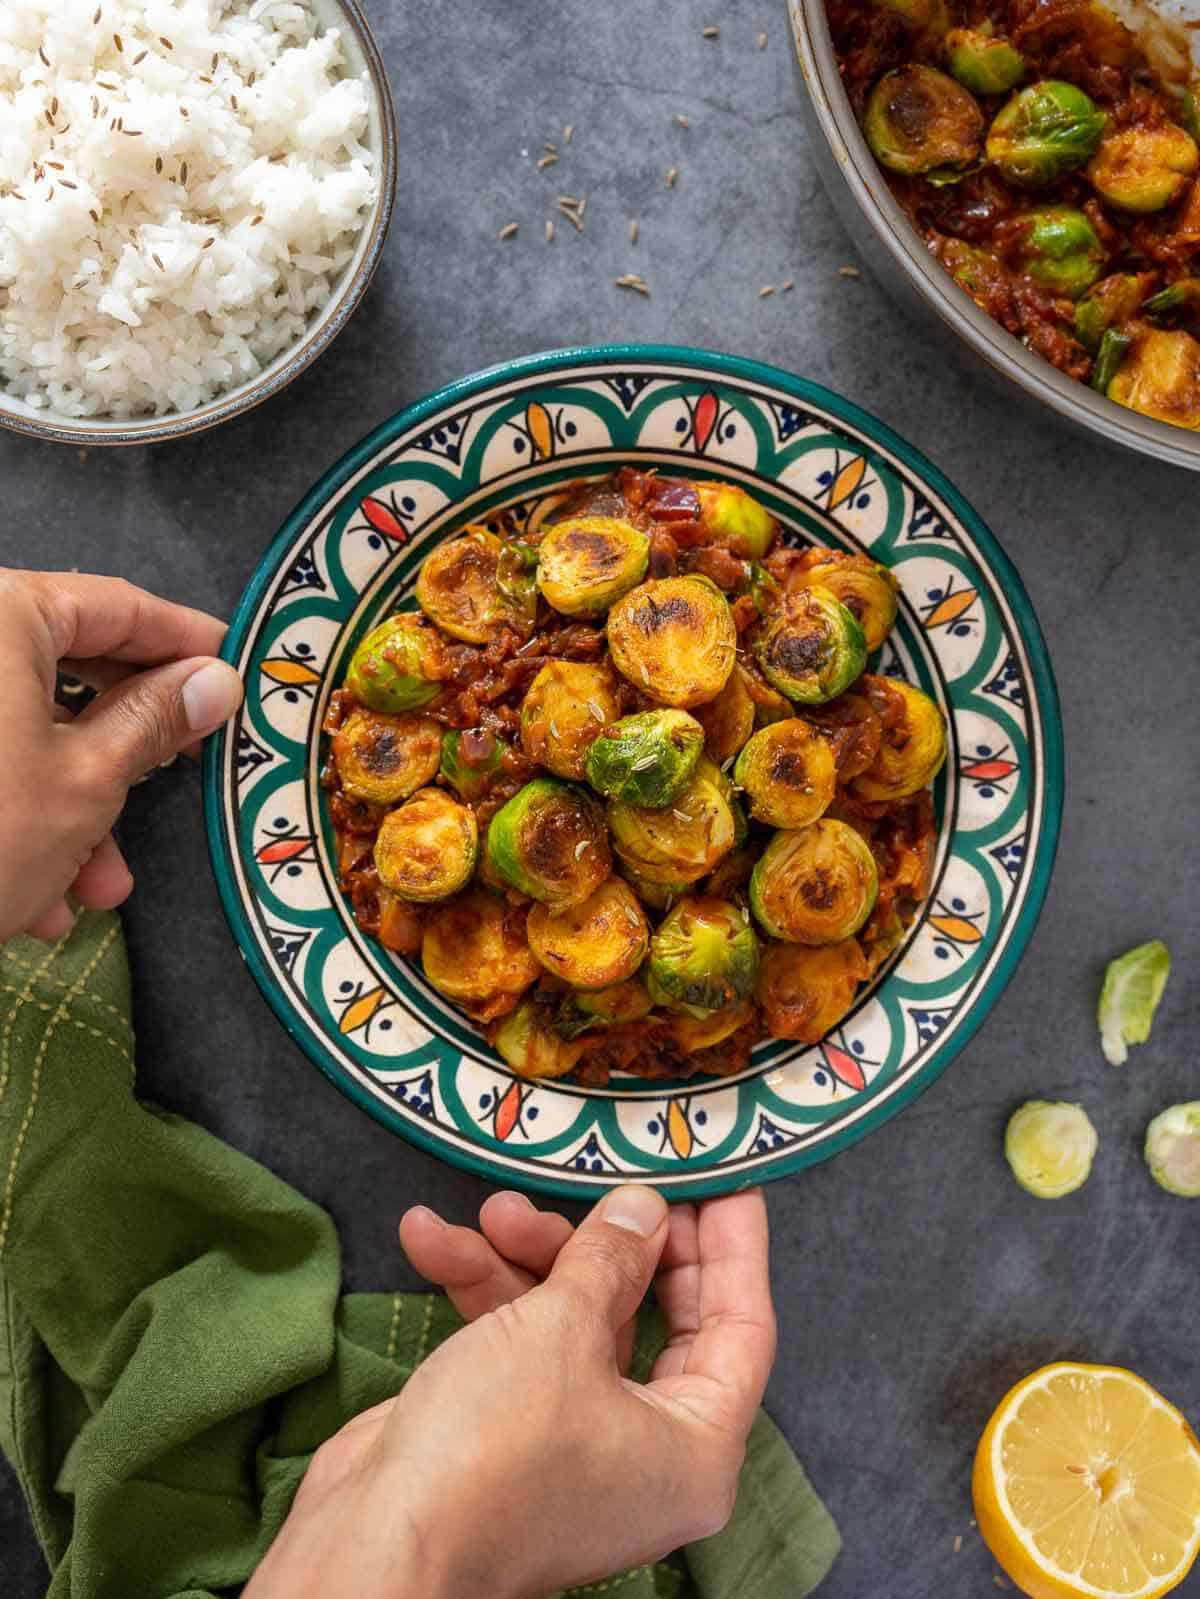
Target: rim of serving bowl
[[1073, 401], [720, 367], [356, 275]]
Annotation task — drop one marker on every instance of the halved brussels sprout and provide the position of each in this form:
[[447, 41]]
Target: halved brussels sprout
[[582, 1012], [728, 721], [813, 649], [732, 874], [913, 745], [1113, 349], [683, 841], [1108, 304], [867, 590], [730, 516], [472, 587], [549, 842], [567, 705], [694, 1033], [527, 1041], [852, 726], [659, 896], [1160, 377], [919, 121], [399, 665], [646, 759], [1061, 250], [474, 951], [1050, 1147], [982, 61], [978, 272], [470, 761], [674, 639], [1172, 1150], [594, 944], [1143, 169], [382, 758], [1043, 132], [703, 955], [788, 773], [585, 564], [804, 990], [815, 885], [425, 849]]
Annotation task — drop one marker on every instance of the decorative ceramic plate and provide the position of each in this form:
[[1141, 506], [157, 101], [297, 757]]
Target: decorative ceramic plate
[[513, 437]]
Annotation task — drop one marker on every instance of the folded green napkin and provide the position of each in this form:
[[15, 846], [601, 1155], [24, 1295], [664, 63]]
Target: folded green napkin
[[173, 1340]]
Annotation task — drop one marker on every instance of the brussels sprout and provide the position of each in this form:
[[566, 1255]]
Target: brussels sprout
[[1050, 1147], [459, 588], [425, 850], [586, 563], [730, 516], [382, 758], [728, 721], [1173, 1150], [1060, 249], [692, 1034], [867, 590], [703, 955], [623, 1003], [1143, 169], [788, 774], [815, 885], [852, 726], [913, 746], [594, 944], [474, 951], [674, 639], [1113, 349], [398, 666], [919, 121], [529, 1044], [1160, 377], [567, 705], [982, 62], [804, 991], [732, 873], [1043, 132], [470, 760], [646, 759], [549, 842], [813, 648], [1133, 986], [1108, 304], [683, 841], [659, 896], [977, 272]]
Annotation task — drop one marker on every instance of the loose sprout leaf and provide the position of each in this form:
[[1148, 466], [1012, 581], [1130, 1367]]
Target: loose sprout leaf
[[1133, 986], [1050, 1147], [1173, 1150]]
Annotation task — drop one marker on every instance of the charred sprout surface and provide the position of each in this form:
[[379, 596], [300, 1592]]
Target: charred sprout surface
[[496, 754], [1043, 132], [788, 774], [982, 61], [919, 121], [674, 639], [587, 563], [569, 703], [1160, 377], [646, 759], [815, 885], [383, 758]]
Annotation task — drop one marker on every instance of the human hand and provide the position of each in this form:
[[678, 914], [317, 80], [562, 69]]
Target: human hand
[[518, 1459], [63, 779]]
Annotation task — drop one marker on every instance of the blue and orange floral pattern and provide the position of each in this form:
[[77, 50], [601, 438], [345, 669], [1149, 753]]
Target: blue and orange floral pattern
[[512, 440]]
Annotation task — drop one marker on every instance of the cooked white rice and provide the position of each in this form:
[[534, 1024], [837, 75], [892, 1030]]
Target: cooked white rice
[[181, 182]]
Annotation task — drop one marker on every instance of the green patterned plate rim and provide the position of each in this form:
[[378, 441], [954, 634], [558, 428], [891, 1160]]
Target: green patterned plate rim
[[512, 437]]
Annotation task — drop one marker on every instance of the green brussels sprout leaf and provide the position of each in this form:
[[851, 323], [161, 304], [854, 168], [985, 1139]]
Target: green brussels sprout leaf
[[1050, 1147], [1133, 986], [1173, 1150]]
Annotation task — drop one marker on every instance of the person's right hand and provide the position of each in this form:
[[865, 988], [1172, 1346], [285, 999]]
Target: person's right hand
[[63, 779], [518, 1459]]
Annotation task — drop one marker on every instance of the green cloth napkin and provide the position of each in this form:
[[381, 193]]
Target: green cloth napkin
[[174, 1343]]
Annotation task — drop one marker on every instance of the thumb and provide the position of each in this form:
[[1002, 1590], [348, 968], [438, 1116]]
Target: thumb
[[148, 718], [609, 1260]]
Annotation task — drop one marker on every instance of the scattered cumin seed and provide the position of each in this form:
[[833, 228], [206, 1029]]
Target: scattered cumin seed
[[208, 244], [215, 62], [183, 171], [119, 45], [166, 43], [957, 1543], [549, 230], [57, 165], [204, 77], [595, 710], [66, 128], [849, 272], [233, 100], [109, 88], [49, 118], [158, 163], [95, 216], [96, 18], [550, 149], [762, 41], [680, 815], [119, 124], [252, 80], [67, 184], [138, 59], [631, 916], [568, 133], [554, 728], [680, 120], [547, 160], [184, 112], [132, 133], [584, 843], [999, 1581], [634, 281], [645, 673], [50, 194], [672, 174], [1077, 1471], [572, 216], [644, 763], [786, 286], [95, 107], [712, 33], [257, 222], [16, 195], [634, 230], [767, 288], [157, 259], [44, 56], [508, 231], [745, 914], [582, 207]]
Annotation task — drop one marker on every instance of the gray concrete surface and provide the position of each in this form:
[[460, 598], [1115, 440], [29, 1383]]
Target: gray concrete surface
[[914, 1280]]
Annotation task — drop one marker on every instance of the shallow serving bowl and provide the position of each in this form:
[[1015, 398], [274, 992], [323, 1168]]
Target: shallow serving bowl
[[901, 261], [363, 57], [510, 438]]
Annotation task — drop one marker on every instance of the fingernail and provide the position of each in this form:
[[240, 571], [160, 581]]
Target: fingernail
[[639, 1210], [210, 696], [522, 1199], [429, 1215]]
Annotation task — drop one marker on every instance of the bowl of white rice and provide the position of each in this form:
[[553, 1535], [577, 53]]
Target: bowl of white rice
[[194, 195]]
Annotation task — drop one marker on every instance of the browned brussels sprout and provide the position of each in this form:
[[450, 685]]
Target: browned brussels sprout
[[812, 649], [474, 951], [804, 991], [852, 726], [472, 587], [815, 885], [527, 1041], [586, 563], [646, 759], [1143, 169], [867, 590], [471, 761], [913, 746], [599, 942], [674, 639], [730, 516], [694, 1033], [703, 956], [728, 721], [919, 121], [788, 774], [382, 758], [399, 666], [567, 705], [425, 849], [683, 841], [1160, 377], [549, 842], [584, 1010]]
